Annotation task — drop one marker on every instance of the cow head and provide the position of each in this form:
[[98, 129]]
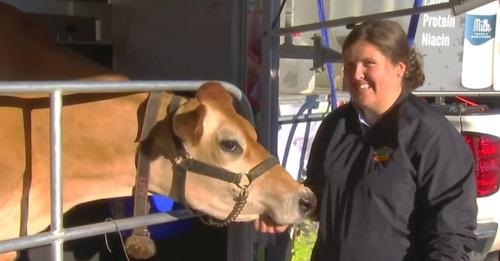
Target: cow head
[[213, 132]]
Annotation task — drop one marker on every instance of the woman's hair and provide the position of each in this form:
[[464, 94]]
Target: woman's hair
[[391, 41]]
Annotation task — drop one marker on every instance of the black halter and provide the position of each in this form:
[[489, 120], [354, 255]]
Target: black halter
[[184, 162]]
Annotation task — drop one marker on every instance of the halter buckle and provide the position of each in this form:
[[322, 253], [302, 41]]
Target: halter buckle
[[181, 159], [178, 160]]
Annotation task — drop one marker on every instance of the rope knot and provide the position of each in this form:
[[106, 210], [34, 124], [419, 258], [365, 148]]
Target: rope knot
[[140, 247]]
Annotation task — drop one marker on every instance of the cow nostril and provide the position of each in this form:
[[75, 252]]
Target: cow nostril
[[307, 202], [307, 206]]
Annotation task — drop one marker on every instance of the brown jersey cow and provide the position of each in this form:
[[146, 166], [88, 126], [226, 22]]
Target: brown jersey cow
[[99, 142]]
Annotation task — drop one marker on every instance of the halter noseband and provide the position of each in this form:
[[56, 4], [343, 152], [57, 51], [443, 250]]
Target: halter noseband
[[187, 163]]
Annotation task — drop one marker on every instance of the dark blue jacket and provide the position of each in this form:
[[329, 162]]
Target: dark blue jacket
[[402, 189]]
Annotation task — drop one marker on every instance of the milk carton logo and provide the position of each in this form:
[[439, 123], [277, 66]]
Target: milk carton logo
[[479, 28]]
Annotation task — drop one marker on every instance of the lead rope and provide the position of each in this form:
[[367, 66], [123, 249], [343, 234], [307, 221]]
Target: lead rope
[[139, 245], [119, 234], [23, 230], [27, 177]]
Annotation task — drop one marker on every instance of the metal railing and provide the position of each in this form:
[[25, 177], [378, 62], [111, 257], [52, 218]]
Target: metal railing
[[58, 234]]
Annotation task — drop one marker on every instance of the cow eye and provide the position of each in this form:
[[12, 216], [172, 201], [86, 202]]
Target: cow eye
[[231, 146]]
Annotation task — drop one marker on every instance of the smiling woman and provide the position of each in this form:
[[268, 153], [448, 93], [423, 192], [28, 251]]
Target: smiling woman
[[390, 187], [391, 173]]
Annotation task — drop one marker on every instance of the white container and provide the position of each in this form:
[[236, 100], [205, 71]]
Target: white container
[[296, 75], [479, 37]]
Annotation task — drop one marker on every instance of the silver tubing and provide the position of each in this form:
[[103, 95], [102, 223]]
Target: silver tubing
[[9, 87], [357, 19], [78, 232], [56, 188], [107, 86]]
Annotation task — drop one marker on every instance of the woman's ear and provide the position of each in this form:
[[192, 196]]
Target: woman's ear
[[401, 69]]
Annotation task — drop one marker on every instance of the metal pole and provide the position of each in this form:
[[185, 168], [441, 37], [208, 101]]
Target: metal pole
[[108, 86], [268, 117], [56, 188], [357, 19], [78, 232]]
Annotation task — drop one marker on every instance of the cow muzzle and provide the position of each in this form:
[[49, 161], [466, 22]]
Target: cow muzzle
[[307, 202]]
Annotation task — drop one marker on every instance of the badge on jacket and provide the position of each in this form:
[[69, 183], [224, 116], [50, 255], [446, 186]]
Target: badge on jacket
[[382, 155]]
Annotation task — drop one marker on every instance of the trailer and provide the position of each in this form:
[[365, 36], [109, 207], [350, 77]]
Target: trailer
[[179, 40]]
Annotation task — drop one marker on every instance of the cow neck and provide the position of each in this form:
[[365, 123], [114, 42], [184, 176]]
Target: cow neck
[[28, 104]]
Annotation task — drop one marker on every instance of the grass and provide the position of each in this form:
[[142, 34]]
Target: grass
[[305, 236]]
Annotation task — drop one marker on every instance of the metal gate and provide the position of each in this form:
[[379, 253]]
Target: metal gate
[[58, 234]]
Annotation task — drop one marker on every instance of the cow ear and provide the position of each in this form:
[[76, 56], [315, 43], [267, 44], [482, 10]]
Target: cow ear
[[214, 93], [189, 125]]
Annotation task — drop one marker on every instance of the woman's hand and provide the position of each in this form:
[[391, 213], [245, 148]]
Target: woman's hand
[[266, 225]]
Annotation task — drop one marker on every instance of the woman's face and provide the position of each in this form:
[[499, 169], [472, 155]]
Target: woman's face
[[372, 79]]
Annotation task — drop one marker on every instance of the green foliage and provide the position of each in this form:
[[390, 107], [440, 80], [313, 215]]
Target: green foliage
[[305, 237]]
